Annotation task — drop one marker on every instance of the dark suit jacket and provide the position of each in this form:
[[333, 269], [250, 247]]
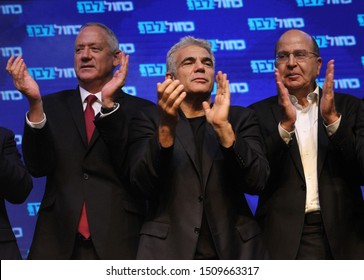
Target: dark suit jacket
[[78, 172], [178, 193], [360, 142], [281, 208], [15, 186]]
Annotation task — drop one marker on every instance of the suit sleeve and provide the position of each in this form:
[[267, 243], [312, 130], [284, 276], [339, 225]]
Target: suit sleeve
[[114, 131], [360, 139], [146, 158], [38, 150], [246, 159], [15, 181], [347, 141]]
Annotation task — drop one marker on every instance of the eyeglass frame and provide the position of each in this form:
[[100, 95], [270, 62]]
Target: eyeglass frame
[[288, 54]]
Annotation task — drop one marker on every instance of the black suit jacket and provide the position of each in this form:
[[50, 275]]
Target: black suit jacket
[[281, 208], [78, 172], [178, 193], [360, 142], [15, 186]]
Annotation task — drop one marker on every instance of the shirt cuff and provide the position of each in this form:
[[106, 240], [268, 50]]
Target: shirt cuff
[[37, 125], [285, 135], [116, 106], [332, 128]]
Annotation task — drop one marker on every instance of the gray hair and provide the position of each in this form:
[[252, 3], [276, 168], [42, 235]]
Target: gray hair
[[112, 39], [185, 42]]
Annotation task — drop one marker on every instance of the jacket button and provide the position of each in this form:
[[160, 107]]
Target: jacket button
[[197, 230], [200, 198], [85, 176]]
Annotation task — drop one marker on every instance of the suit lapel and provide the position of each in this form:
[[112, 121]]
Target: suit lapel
[[322, 141], [209, 149], [185, 136], [74, 103]]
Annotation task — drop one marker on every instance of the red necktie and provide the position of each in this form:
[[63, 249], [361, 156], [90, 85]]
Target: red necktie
[[83, 227], [90, 116]]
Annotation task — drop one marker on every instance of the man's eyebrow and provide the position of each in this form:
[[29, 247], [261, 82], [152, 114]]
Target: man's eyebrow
[[188, 58], [87, 44], [206, 58]]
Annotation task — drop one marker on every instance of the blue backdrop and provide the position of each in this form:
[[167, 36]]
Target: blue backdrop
[[242, 32]]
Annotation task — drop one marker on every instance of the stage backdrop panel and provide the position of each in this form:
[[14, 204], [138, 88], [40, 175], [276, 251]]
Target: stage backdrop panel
[[242, 32]]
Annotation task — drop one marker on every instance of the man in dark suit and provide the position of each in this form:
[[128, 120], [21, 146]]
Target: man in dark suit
[[312, 207], [194, 161], [87, 211], [15, 186], [360, 144]]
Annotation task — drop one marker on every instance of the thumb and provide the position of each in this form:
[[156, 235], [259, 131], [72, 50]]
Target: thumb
[[206, 106]]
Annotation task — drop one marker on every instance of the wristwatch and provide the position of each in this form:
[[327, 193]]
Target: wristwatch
[[109, 110]]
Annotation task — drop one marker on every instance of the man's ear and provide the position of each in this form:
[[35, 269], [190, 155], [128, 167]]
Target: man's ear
[[169, 76], [116, 60]]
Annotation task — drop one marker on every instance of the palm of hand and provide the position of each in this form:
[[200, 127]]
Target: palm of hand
[[219, 111], [27, 85], [117, 81]]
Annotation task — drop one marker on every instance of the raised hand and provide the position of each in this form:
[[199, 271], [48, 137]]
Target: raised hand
[[23, 82], [289, 114], [217, 116], [118, 81], [327, 104], [170, 96], [22, 79]]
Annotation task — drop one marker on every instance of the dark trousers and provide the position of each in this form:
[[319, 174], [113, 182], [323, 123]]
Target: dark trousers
[[314, 244], [84, 249]]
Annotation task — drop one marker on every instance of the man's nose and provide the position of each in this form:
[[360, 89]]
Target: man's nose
[[86, 53], [199, 66], [291, 59]]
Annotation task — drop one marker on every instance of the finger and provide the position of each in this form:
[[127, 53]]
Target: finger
[[15, 64], [279, 82], [123, 64], [170, 90], [9, 64], [124, 60], [17, 69], [19, 64], [179, 100], [223, 89], [220, 82], [206, 107], [283, 94], [161, 87], [227, 87], [173, 99], [328, 87]]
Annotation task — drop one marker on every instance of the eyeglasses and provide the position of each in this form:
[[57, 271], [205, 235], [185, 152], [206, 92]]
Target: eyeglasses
[[299, 56]]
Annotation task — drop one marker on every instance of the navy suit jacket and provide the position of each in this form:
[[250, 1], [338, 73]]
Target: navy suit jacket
[[15, 186], [77, 172], [281, 207], [178, 192]]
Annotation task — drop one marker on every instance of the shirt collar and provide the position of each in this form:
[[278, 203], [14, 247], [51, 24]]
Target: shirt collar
[[312, 97], [84, 93]]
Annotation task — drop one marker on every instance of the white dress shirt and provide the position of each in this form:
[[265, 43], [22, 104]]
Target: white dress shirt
[[84, 93], [306, 126]]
